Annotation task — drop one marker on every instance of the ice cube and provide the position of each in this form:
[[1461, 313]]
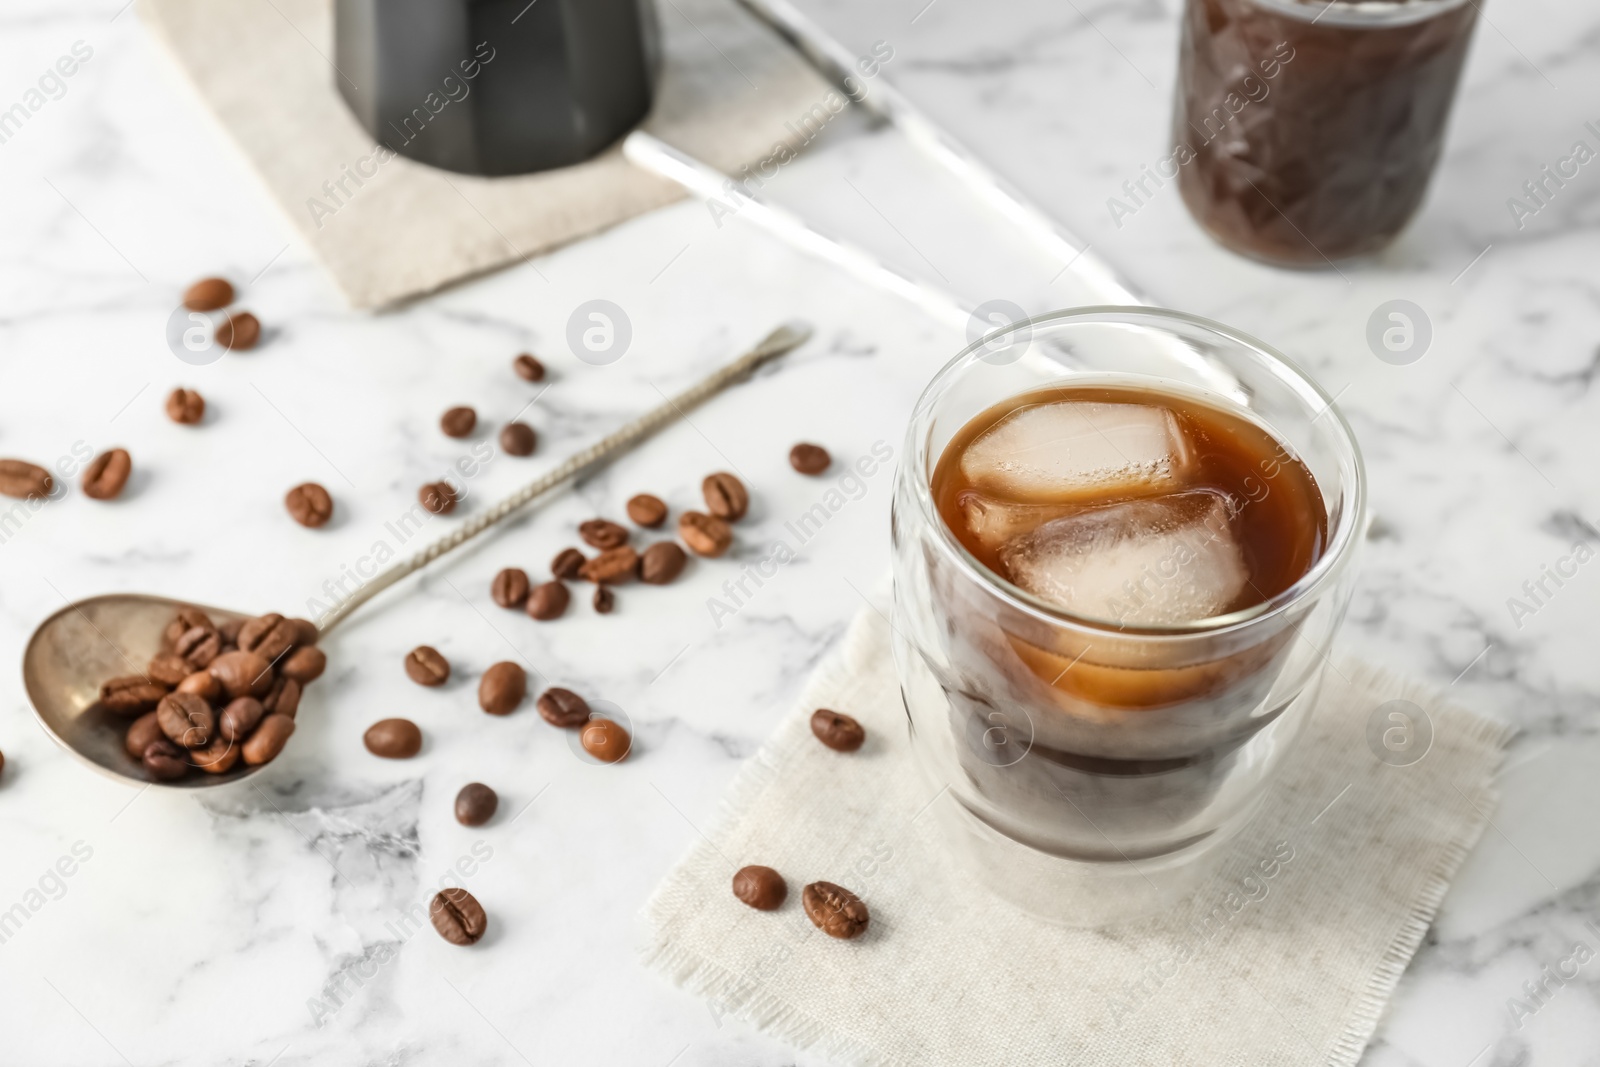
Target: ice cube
[[1076, 450], [993, 522], [1151, 561]]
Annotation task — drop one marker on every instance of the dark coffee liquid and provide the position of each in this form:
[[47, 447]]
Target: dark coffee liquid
[[1312, 140], [1130, 506]]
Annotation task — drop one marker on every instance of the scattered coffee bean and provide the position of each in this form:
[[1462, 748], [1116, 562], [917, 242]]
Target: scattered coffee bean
[[208, 294], [809, 459], [706, 535], [218, 757], [518, 439], [603, 533], [242, 674], [269, 636], [647, 510], [305, 664], [502, 688], [839, 732], [131, 695], [167, 668], [186, 719], [549, 601], [198, 648], [202, 685], [528, 368], [605, 601], [661, 563], [107, 474], [458, 916], [458, 422], [165, 761], [425, 666], [438, 497], [726, 497], [563, 707], [309, 505], [240, 717], [239, 331], [283, 698], [185, 406], [612, 567], [510, 587], [835, 910], [568, 564], [24, 481], [606, 741], [393, 738], [760, 887], [475, 804], [268, 740], [141, 732]]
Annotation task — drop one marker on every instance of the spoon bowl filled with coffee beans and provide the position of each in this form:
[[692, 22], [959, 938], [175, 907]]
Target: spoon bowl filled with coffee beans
[[160, 692]]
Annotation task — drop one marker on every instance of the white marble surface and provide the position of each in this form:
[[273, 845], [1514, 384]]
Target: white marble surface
[[196, 932]]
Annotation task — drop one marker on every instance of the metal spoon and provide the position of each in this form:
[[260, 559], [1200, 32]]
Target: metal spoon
[[81, 646]]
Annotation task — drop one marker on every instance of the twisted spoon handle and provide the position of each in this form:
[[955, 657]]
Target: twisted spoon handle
[[780, 341]]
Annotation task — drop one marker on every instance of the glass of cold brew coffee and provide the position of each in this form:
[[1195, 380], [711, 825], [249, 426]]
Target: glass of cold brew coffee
[[1305, 131], [1122, 543]]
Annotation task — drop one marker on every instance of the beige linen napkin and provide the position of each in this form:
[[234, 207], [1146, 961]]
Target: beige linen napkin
[[729, 92], [1286, 955]]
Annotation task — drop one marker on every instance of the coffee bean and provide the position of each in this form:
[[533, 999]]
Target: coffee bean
[[309, 504], [760, 887], [510, 587], [305, 632], [613, 567], [242, 674], [24, 480], [661, 563], [186, 719], [239, 331], [208, 294], [425, 666], [835, 910], [187, 619], [647, 510], [198, 648], [603, 533], [269, 636], [549, 601], [268, 740], [604, 599], [141, 732], [706, 535], [502, 688], [528, 368], [458, 916], [563, 707], [131, 695], [185, 406], [202, 685], [107, 474], [304, 665], [283, 698], [518, 439], [240, 717], [568, 564], [458, 421], [839, 732], [164, 761], [725, 495], [475, 804], [437, 497], [809, 458], [606, 741], [393, 738], [216, 758], [167, 668]]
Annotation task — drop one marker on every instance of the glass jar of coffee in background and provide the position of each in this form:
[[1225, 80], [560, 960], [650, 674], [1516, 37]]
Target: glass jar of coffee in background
[[1306, 132]]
